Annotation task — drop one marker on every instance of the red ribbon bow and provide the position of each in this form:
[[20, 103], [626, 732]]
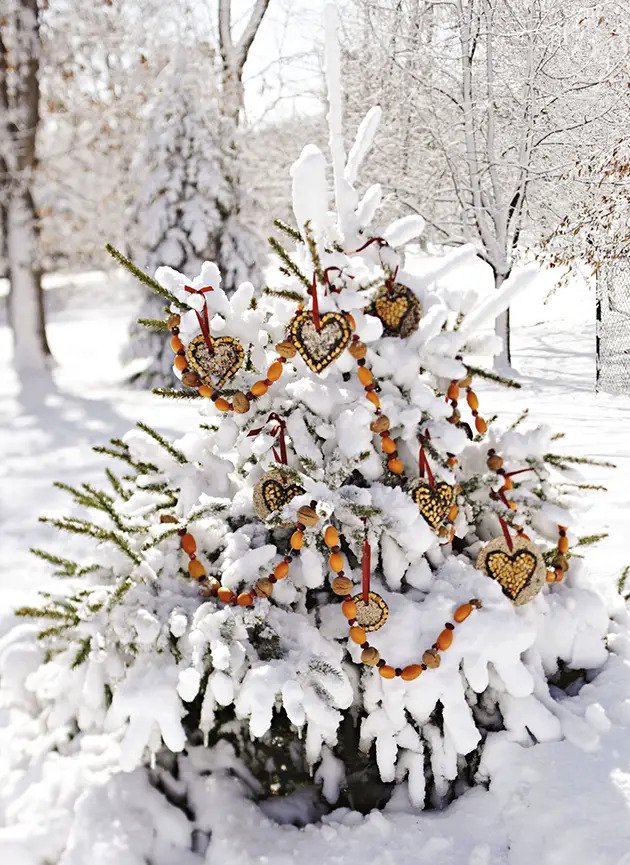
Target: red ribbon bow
[[203, 319], [278, 429]]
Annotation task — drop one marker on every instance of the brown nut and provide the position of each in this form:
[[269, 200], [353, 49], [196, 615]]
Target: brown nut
[[286, 349], [240, 403], [307, 516]]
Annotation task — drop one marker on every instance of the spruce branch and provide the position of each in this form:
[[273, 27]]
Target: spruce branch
[[168, 447], [124, 455], [66, 567], [314, 252], [561, 461], [176, 393], [53, 631], [143, 277], [587, 540], [285, 294], [153, 323], [621, 583], [82, 527], [293, 233], [44, 613], [289, 264], [492, 376], [82, 655], [519, 420]]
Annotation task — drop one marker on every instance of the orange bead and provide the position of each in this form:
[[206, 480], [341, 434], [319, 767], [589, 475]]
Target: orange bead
[[336, 562], [411, 672], [444, 640], [357, 635], [388, 445], [563, 545], [244, 599], [508, 484], [472, 400], [297, 540], [351, 321], [512, 506], [275, 371], [373, 398], [180, 362], [331, 536], [551, 577], [206, 391], [365, 376], [281, 570], [222, 404], [189, 545], [453, 391], [480, 425], [452, 514], [259, 388], [395, 466], [387, 672], [462, 613], [349, 609], [226, 595], [196, 569], [176, 344]]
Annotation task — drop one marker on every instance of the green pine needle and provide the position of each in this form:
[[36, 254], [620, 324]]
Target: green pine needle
[[181, 458], [153, 323], [143, 277], [176, 393]]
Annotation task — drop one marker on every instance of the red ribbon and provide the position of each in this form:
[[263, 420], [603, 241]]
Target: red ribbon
[[423, 463], [316, 320], [204, 321], [278, 429], [365, 569], [518, 472], [380, 240], [506, 533]]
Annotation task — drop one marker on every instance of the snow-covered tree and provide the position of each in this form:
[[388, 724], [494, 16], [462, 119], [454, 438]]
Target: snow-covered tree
[[488, 105], [346, 577], [19, 120]]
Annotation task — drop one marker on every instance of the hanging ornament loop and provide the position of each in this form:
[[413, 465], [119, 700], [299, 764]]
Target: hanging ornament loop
[[278, 430], [203, 318], [423, 462], [366, 565]]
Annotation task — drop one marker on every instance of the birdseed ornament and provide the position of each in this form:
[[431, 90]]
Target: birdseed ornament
[[398, 309], [371, 615], [434, 501], [216, 360], [274, 490], [516, 564], [319, 339]]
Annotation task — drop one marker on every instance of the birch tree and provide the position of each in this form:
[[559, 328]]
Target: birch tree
[[19, 119], [490, 101]]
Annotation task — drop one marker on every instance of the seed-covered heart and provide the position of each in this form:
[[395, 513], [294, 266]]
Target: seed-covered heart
[[434, 502], [520, 571], [217, 363], [398, 309], [273, 491], [319, 348]]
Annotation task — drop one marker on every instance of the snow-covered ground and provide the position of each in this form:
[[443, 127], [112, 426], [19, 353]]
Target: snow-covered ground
[[560, 803]]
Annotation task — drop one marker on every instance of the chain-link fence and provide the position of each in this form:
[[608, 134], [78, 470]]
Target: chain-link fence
[[613, 327]]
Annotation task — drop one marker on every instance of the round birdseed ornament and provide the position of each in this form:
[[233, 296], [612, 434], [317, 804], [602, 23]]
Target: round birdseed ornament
[[373, 615], [216, 361], [273, 491], [398, 309], [520, 571], [319, 347]]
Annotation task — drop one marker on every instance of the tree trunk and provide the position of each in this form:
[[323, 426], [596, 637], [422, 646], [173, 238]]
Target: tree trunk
[[503, 361], [26, 302], [20, 104]]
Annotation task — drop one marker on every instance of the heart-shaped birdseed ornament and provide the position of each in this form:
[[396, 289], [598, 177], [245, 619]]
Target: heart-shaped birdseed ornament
[[398, 309], [520, 571], [216, 366], [434, 501], [319, 348], [273, 491]]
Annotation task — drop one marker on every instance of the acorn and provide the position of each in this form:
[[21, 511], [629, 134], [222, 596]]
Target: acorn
[[495, 462], [432, 659], [342, 586], [173, 320], [240, 403], [307, 516], [191, 379], [358, 350], [380, 424], [264, 587], [286, 349], [370, 656]]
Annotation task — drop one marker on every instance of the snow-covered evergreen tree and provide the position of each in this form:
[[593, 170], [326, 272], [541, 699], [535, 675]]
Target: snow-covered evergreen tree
[[187, 212], [378, 475]]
